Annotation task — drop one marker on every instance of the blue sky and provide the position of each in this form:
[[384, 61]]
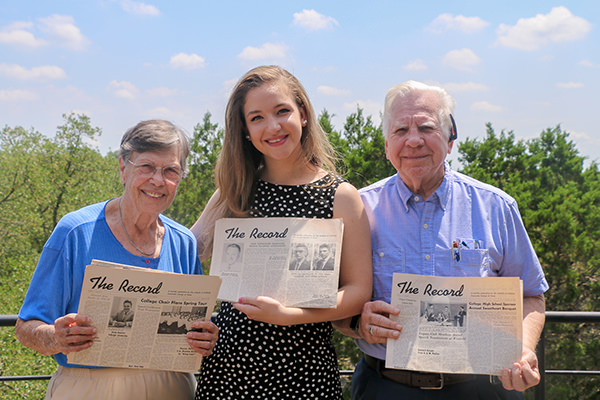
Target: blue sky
[[523, 66]]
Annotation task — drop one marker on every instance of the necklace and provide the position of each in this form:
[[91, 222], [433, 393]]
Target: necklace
[[131, 241]]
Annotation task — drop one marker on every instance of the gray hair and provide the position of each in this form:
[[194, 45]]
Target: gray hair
[[447, 103], [156, 135]]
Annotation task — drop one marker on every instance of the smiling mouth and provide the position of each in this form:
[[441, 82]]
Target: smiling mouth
[[275, 141], [153, 195]]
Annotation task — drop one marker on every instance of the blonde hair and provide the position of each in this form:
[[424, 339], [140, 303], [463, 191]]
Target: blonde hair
[[239, 163]]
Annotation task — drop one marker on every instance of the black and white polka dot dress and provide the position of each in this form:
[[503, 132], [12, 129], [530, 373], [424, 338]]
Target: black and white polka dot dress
[[256, 360]]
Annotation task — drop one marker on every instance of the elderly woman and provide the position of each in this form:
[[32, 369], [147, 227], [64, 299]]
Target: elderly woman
[[127, 230]]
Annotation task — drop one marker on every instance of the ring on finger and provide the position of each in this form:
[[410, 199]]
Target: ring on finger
[[371, 330]]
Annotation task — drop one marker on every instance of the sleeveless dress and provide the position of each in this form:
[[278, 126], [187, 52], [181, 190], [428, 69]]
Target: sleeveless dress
[[257, 360]]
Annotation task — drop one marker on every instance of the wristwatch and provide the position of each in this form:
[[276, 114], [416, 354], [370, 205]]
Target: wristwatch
[[354, 323]]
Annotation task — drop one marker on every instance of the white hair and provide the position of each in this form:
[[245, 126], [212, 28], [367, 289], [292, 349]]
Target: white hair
[[447, 103]]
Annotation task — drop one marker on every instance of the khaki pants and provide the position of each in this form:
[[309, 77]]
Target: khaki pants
[[120, 384]]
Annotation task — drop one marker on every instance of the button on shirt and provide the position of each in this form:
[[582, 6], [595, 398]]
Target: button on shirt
[[466, 228]]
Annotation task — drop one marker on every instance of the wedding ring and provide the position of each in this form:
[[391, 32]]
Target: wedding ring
[[371, 330]]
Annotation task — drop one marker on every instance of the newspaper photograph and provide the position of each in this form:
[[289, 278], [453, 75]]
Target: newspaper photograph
[[456, 324], [143, 316], [293, 260]]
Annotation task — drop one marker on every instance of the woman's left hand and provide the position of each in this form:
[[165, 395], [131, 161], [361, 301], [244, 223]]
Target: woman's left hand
[[267, 309], [203, 337]]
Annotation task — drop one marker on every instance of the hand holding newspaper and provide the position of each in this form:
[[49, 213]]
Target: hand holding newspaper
[[293, 260], [456, 324], [143, 316]]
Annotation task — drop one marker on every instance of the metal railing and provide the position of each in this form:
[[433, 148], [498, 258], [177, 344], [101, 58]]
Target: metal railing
[[540, 392]]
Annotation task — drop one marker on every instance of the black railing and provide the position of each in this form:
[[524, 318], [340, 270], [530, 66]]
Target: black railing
[[540, 392]]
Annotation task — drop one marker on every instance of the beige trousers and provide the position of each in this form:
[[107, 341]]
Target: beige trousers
[[120, 384]]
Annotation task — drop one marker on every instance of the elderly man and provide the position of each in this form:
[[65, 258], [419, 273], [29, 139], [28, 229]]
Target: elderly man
[[415, 217]]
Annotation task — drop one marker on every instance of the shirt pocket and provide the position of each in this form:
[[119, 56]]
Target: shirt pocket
[[386, 261], [467, 262]]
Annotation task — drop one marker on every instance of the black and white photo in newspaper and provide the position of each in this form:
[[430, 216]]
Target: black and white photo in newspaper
[[456, 324], [143, 316], [293, 260]]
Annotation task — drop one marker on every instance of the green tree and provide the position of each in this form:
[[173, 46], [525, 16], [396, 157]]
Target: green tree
[[195, 190], [361, 148], [42, 179], [559, 201]]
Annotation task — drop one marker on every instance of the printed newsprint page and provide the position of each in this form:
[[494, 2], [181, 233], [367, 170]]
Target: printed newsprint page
[[143, 315], [456, 325], [293, 260]]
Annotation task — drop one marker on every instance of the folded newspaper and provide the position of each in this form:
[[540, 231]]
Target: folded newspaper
[[456, 325], [293, 260], [143, 316]]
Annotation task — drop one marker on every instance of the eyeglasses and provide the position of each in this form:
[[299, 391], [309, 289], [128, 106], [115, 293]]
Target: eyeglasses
[[171, 174]]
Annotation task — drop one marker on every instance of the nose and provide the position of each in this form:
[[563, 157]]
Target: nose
[[273, 124], [414, 137], [158, 175]]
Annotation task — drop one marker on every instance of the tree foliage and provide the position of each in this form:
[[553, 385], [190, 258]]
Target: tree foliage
[[559, 201], [558, 195], [195, 190]]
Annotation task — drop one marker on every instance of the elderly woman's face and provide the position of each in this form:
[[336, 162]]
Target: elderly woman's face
[[149, 179]]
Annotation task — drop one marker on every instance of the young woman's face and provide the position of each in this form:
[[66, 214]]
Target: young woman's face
[[274, 123]]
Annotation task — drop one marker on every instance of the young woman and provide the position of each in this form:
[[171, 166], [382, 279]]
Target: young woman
[[276, 162]]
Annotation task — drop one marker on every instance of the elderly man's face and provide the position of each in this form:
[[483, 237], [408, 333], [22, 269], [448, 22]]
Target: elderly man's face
[[416, 145]]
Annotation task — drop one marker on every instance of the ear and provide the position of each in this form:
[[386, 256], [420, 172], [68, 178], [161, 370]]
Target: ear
[[303, 114], [122, 169], [450, 144]]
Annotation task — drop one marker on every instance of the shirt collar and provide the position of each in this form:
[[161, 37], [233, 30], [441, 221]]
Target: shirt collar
[[441, 195]]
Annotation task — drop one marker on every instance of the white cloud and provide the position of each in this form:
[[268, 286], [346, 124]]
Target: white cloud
[[559, 26], [45, 72], [588, 63], [463, 59], [161, 92], [569, 85], [453, 87], [18, 95], [416, 65], [62, 30], [267, 50], [138, 8], [124, 89], [461, 23], [331, 91], [187, 61], [579, 135], [485, 106], [18, 34], [313, 21]]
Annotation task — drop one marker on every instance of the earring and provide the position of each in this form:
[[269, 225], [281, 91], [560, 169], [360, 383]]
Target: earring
[[248, 137], [304, 122]]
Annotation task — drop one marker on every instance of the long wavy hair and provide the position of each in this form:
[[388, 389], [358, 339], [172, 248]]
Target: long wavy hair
[[239, 163]]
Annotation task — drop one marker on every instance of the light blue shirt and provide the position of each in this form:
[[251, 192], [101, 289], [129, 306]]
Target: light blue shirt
[[78, 238], [466, 228]]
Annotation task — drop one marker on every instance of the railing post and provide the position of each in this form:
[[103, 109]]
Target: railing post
[[540, 389]]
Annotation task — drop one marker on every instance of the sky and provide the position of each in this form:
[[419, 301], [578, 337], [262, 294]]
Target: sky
[[523, 66]]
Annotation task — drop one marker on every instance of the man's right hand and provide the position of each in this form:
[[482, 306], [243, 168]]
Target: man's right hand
[[375, 324]]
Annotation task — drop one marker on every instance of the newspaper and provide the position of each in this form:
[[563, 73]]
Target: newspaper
[[456, 325], [143, 315], [293, 260]]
